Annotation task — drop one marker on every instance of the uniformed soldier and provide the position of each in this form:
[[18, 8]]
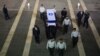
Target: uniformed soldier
[[74, 35], [5, 11], [79, 17], [86, 17], [51, 46], [36, 33], [61, 47], [66, 24], [63, 14]]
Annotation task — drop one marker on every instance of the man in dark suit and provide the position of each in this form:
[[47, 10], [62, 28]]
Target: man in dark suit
[[36, 33], [63, 14], [5, 11], [79, 17], [86, 17]]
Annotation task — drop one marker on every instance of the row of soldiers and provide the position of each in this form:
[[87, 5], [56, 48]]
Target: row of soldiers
[[56, 47]]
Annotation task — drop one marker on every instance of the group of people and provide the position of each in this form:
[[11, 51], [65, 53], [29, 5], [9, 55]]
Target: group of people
[[50, 30], [59, 47], [82, 18]]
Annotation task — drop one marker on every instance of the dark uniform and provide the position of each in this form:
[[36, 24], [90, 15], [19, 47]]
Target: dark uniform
[[36, 33], [5, 11], [63, 14], [86, 17], [79, 17]]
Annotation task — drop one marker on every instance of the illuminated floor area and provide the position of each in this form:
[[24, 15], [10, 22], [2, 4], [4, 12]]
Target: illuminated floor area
[[16, 33]]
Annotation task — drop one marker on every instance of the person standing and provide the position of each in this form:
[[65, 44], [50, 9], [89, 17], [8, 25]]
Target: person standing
[[61, 47], [79, 17], [63, 14], [36, 33], [5, 11], [66, 23], [86, 17], [42, 12], [51, 46], [74, 35]]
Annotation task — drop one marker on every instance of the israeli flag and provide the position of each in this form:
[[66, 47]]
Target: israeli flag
[[51, 20]]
